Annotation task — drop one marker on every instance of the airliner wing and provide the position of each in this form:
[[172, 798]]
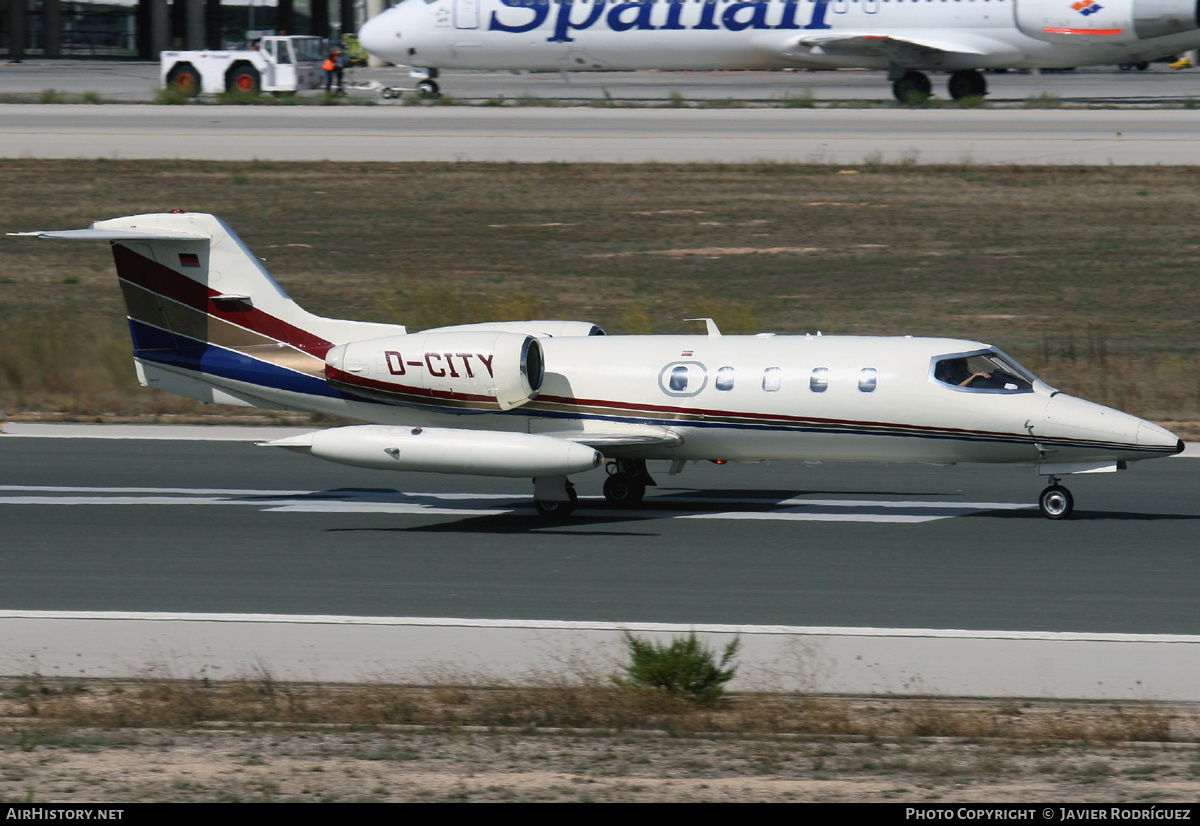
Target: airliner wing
[[912, 47]]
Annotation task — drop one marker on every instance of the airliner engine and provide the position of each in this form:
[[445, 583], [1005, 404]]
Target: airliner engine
[[1105, 21], [446, 450], [480, 370]]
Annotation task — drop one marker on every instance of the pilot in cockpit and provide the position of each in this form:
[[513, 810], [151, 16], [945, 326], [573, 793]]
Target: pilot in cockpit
[[956, 372]]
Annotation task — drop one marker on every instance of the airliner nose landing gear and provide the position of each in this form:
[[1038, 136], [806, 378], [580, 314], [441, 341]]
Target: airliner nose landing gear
[[627, 482], [1056, 502]]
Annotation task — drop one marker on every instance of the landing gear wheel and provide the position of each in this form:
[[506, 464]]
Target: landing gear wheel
[[429, 89], [913, 87], [967, 83], [244, 80], [554, 509], [185, 79], [1056, 502], [623, 489]]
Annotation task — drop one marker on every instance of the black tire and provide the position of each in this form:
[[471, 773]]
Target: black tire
[[914, 87], [244, 80], [184, 78], [622, 490], [429, 89], [553, 509], [967, 83], [1056, 502]]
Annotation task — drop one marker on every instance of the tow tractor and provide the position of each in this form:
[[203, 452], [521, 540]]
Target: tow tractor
[[275, 64]]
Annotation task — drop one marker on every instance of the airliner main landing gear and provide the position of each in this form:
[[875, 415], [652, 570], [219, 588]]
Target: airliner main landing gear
[[912, 87], [627, 482], [1056, 502], [967, 83]]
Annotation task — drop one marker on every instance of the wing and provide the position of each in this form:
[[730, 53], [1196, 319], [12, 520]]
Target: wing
[[618, 440], [914, 48]]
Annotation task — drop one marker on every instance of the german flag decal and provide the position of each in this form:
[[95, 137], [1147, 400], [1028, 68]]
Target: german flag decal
[[189, 259]]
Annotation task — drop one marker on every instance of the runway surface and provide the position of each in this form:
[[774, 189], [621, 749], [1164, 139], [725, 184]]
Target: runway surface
[[114, 525], [198, 557], [397, 134]]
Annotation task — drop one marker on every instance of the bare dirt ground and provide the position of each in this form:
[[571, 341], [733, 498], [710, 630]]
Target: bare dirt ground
[[247, 741], [275, 764]]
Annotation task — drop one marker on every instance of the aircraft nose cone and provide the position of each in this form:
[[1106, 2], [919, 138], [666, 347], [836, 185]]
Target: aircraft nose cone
[[380, 36], [1150, 435]]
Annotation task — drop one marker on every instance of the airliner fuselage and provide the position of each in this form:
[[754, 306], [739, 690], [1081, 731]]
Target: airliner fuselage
[[905, 37]]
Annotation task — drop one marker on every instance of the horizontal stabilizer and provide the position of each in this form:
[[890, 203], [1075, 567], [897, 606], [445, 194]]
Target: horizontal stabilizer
[[117, 235]]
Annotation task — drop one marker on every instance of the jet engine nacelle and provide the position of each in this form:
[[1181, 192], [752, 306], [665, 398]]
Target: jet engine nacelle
[[1105, 21], [446, 450], [540, 329], [483, 370]]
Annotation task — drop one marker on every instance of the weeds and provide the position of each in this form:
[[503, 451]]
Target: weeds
[[171, 96], [801, 100], [684, 669], [1046, 100], [48, 711]]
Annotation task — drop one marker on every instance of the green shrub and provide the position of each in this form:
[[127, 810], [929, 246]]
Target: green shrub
[[684, 668]]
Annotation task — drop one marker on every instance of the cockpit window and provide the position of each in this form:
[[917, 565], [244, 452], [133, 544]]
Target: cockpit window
[[989, 371]]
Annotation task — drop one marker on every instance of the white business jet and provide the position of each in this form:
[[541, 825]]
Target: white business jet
[[549, 399], [906, 37]]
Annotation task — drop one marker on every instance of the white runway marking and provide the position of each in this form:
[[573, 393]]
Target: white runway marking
[[499, 504]]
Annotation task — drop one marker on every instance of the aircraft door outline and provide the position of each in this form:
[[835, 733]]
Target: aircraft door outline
[[466, 14]]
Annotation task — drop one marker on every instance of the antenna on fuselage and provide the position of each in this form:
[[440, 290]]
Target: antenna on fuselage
[[709, 323]]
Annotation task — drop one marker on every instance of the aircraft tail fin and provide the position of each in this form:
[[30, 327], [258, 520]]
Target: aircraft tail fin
[[204, 313]]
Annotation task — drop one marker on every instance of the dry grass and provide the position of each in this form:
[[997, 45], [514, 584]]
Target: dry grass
[[573, 740], [1084, 274], [573, 704]]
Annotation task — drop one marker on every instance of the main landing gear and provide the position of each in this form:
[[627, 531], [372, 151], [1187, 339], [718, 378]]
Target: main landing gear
[[627, 482], [914, 87], [1056, 502]]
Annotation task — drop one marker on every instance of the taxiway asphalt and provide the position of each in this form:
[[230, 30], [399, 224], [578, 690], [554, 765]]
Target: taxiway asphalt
[[1023, 123]]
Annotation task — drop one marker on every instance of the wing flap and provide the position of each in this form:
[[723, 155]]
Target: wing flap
[[914, 48]]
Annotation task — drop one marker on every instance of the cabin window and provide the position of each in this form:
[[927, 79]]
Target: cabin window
[[818, 380], [679, 377], [772, 378], [683, 378], [725, 378], [868, 379], [988, 371]]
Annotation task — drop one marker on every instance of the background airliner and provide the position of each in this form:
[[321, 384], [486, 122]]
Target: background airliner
[[549, 399], [906, 37]]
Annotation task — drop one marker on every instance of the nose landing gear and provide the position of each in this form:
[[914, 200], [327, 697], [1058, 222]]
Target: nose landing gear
[[1056, 502]]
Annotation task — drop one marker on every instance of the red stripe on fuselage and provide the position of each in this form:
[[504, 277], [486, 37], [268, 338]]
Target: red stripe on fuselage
[[168, 283]]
